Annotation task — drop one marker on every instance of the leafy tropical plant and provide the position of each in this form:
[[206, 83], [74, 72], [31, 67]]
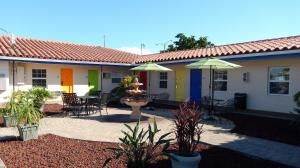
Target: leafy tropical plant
[[187, 128], [120, 91], [297, 98], [26, 111], [127, 80], [139, 147], [40, 94], [24, 105]]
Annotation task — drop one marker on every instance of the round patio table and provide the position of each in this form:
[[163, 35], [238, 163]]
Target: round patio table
[[87, 98]]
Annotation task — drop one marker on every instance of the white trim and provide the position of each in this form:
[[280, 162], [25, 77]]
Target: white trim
[[236, 56], [8, 58]]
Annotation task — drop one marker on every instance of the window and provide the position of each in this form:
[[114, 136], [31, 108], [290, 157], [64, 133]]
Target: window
[[116, 77], [163, 80], [279, 80], [39, 77], [220, 80], [116, 80]]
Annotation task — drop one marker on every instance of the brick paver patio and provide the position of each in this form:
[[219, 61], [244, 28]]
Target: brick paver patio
[[96, 128]]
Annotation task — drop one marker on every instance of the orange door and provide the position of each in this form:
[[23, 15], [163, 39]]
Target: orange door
[[66, 77]]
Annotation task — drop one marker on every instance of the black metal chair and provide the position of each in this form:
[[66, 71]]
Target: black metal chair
[[77, 106], [67, 99], [104, 100], [95, 93], [225, 106]]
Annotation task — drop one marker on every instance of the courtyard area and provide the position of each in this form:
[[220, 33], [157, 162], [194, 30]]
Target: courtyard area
[[89, 135]]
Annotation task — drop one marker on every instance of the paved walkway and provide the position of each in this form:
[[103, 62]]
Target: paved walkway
[[96, 128]]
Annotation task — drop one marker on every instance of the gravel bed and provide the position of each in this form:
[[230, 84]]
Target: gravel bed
[[54, 151]]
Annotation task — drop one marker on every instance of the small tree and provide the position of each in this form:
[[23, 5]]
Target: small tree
[[183, 43]]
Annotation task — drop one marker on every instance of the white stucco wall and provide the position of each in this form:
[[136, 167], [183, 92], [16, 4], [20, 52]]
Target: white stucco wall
[[257, 87], [107, 83], [80, 77]]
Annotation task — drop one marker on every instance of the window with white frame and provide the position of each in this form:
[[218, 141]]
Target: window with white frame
[[163, 80], [220, 80], [39, 77], [116, 77], [279, 80]]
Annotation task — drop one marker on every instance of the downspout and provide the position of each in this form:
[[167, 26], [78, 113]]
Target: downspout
[[13, 74], [101, 75]]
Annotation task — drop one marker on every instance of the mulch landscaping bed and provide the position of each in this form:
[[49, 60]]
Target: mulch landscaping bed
[[55, 151], [280, 130], [50, 109]]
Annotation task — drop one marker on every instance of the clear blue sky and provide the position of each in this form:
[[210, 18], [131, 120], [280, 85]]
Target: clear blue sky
[[128, 23]]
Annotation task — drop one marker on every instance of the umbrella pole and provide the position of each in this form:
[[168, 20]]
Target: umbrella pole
[[209, 109], [213, 90], [149, 82]]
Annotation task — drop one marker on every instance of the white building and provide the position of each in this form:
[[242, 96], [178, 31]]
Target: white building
[[270, 73]]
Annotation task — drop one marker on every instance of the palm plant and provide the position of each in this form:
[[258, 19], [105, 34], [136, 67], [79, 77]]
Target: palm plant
[[139, 147], [22, 106]]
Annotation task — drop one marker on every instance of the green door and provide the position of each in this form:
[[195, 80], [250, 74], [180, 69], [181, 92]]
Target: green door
[[93, 79]]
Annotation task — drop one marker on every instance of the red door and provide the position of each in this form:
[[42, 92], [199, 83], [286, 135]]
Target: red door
[[143, 79]]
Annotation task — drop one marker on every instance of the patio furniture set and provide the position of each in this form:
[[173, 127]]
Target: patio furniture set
[[89, 104]]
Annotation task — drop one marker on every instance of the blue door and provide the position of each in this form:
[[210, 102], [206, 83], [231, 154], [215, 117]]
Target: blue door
[[196, 84]]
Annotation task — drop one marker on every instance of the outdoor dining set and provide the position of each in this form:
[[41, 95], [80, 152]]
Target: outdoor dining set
[[76, 105]]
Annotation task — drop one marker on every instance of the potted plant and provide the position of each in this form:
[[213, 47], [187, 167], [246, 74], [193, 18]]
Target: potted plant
[[8, 118], [140, 147], [187, 132], [25, 107], [9, 112]]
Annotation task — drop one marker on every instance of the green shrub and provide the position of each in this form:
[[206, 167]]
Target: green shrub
[[120, 91], [24, 106], [40, 94], [139, 147], [297, 98]]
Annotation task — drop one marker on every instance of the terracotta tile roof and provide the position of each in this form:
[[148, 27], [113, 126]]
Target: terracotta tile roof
[[32, 48], [278, 44]]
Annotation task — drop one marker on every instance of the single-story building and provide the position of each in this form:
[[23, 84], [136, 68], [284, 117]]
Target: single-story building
[[270, 73]]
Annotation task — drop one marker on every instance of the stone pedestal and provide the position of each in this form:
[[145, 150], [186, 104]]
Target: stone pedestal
[[136, 113], [136, 106]]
